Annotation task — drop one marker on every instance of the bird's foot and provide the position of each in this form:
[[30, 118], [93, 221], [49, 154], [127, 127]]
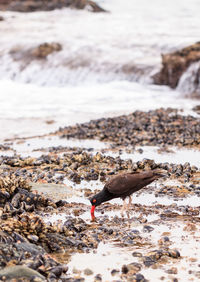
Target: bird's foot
[[94, 220], [128, 214]]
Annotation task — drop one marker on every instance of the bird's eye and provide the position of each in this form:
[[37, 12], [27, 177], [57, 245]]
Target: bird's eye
[[94, 201]]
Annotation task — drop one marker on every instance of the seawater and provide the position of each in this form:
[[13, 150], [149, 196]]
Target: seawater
[[104, 68]]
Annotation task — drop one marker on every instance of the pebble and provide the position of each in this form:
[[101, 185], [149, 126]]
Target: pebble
[[33, 238], [97, 278], [148, 261], [136, 254], [124, 269], [134, 267], [172, 270], [148, 228], [174, 253], [88, 271], [139, 278], [114, 272]]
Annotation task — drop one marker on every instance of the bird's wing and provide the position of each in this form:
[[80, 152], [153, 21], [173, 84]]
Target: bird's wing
[[122, 184], [129, 182]]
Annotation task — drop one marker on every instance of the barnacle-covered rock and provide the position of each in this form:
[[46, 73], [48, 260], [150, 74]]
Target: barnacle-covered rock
[[9, 184], [16, 197], [27, 257], [54, 238], [156, 127]]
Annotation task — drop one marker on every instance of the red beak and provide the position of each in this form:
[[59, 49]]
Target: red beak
[[92, 212]]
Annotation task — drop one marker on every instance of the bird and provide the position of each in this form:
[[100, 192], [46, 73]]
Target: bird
[[123, 186]]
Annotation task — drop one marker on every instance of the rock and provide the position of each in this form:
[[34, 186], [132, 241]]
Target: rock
[[196, 109], [40, 5], [1, 18], [172, 270], [57, 242], [61, 203], [76, 212], [135, 231], [30, 248], [88, 271], [114, 271], [124, 269], [148, 261], [134, 267], [58, 270], [176, 63], [136, 254], [148, 228], [137, 278], [164, 241], [33, 238], [155, 255], [97, 278], [174, 253], [43, 50], [82, 4], [76, 271], [18, 271]]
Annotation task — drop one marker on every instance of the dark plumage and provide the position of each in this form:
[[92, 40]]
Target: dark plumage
[[124, 185]]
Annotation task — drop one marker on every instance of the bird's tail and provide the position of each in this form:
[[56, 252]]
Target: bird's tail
[[160, 173]]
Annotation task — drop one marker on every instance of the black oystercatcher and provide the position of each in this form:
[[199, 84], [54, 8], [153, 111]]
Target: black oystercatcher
[[124, 185]]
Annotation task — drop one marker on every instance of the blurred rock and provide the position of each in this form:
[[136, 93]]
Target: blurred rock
[[197, 109], [176, 63], [43, 50], [19, 53], [41, 5]]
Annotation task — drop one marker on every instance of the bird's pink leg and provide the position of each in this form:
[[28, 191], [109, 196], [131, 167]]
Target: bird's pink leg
[[123, 208], [129, 202], [128, 206]]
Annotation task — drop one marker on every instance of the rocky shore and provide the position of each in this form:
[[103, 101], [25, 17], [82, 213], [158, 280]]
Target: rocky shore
[[33, 190], [158, 127], [28, 244]]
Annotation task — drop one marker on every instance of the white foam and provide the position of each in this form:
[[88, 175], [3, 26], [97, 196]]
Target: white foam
[[26, 108], [189, 81], [103, 54], [98, 46]]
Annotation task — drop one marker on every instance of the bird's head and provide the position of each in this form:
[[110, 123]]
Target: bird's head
[[96, 200]]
